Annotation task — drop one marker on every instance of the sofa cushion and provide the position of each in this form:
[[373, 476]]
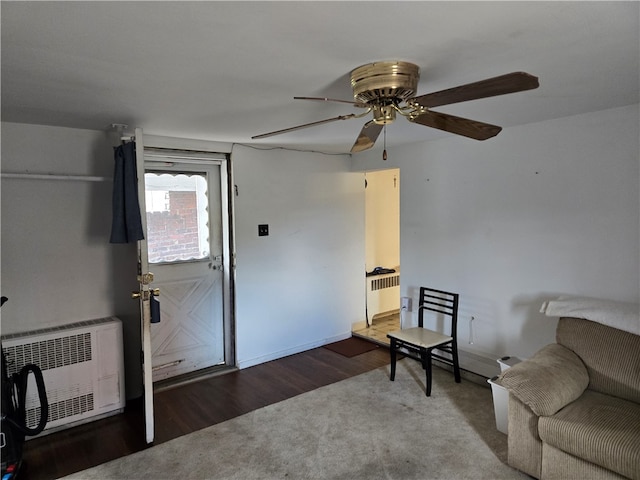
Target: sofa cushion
[[559, 465], [600, 429], [546, 382], [612, 357]]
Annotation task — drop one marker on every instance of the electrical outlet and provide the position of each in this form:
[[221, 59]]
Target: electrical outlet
[[263, 230], [405, 303]]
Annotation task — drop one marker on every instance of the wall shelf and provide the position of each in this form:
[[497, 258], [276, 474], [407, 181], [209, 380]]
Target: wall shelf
[[47, 176]]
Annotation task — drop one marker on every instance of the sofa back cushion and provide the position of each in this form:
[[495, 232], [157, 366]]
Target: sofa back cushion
[[612, 356]]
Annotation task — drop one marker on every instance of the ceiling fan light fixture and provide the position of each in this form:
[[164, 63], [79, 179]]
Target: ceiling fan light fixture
[[384, 114]]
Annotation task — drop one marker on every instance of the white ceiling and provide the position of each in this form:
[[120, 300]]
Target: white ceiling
[[226, 71]]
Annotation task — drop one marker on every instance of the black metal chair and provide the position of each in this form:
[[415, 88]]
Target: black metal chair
[[419, 342]]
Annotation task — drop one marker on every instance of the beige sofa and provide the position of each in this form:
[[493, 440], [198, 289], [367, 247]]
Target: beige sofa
[[574, 407]]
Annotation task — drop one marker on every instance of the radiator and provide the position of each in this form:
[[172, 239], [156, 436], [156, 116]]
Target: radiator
[[83, 369], [383, 295]]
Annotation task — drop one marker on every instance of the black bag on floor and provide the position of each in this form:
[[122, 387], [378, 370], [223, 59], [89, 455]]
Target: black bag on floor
[[13, 423]]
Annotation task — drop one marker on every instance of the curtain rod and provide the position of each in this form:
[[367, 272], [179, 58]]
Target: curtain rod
[[47, 176]]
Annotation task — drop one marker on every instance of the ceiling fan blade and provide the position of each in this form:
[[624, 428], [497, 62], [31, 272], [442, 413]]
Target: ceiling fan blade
[[306, 125], [509, 83], [457, 125], [322, 99], [367, 137]]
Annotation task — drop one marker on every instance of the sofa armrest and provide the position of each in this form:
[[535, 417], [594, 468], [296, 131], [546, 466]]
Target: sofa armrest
[[525, 446], [551, 379]]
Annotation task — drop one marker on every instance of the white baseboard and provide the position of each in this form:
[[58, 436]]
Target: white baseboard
[[480, 365], [471, 362], [474, 365], [246, 363]]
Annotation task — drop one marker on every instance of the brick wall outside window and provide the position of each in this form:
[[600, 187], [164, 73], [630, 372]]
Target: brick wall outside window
[[173, 235]]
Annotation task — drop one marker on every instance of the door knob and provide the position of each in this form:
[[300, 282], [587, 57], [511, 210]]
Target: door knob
[[152, 291]]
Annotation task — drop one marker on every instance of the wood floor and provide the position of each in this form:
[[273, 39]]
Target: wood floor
[[191, 407]]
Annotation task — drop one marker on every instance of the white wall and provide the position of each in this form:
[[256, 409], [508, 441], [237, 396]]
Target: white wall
[[57, 265], [301, 286], [541, 210]]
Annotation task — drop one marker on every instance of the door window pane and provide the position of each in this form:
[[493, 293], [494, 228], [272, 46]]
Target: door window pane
[[177, 217]]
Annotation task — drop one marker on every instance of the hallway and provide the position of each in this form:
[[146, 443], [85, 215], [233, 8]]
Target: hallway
[[379, 328]]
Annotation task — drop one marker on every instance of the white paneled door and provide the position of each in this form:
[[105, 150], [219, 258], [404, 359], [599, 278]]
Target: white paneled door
[[184, 236], [183, 266]]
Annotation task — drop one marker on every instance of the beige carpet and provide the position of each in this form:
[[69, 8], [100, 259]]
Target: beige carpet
[[365, 427]]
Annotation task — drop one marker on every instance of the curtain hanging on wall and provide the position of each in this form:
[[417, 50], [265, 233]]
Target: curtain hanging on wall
[[126, 225]]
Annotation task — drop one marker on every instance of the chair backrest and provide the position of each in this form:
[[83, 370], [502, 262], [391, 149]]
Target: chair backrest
[[438, 301]]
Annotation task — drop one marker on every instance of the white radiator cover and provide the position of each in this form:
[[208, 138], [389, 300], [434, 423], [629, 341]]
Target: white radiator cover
[[83, 369], [383, 294]]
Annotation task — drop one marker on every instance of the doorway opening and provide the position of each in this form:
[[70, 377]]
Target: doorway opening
[[382, 256]]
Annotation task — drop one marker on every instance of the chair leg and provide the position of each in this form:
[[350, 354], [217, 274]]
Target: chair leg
[[425, 359], [392, 351], [456, 364], [425, 355]]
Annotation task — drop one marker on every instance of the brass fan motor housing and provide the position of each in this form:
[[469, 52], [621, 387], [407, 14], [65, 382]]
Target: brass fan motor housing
[[374, 83]]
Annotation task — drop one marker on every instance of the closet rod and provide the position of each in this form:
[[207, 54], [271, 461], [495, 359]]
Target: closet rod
[[46, 176]]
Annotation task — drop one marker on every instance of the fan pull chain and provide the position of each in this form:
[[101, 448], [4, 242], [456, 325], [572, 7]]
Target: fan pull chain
[[384, 151]]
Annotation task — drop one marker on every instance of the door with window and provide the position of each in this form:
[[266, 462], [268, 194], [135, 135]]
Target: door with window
[[187, 242]]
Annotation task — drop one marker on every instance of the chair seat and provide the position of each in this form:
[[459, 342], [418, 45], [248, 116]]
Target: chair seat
[[421, 337]]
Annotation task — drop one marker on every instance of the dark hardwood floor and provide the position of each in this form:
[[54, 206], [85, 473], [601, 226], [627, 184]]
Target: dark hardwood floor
[[191, 407]]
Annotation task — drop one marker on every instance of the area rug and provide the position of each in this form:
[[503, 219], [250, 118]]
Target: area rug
[[351, 346], [365, 427]]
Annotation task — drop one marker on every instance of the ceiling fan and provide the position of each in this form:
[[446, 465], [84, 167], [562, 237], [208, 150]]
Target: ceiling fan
[[388, 88]]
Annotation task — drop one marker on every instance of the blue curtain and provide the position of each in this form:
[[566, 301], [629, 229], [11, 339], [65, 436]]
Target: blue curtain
[[126, 225]]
